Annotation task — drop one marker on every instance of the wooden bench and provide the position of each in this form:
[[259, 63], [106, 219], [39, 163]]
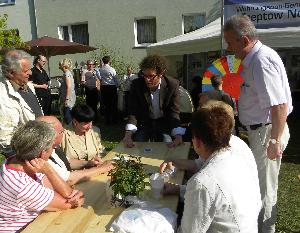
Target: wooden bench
[[97, 214]]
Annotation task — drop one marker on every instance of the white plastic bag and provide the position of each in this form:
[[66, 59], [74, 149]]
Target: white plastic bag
[[147, 218]]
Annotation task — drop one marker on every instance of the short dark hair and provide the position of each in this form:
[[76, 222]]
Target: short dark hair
[[38, 57], [82, 113], [155, 62], [213, 126], [216, 81], [106, 59]]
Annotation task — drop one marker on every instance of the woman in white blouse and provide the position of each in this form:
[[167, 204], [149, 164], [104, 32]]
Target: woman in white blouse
[[223, 195]]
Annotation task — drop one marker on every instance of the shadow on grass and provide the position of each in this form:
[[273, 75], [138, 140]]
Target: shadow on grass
[[295, 159]]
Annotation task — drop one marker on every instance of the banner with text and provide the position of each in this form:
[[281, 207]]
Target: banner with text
[[264, 13]]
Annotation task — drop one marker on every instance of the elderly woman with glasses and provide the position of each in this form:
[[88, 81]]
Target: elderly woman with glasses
[[153, 105], [82, 141]]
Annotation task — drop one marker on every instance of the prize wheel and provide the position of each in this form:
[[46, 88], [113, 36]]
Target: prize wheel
[[229, 68]]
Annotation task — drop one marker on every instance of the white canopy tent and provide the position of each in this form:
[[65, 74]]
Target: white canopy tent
[[207, 39]]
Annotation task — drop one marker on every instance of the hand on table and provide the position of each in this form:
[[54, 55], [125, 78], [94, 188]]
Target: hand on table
[[107, 165], [96, 161], [176, 142], [76, 198]]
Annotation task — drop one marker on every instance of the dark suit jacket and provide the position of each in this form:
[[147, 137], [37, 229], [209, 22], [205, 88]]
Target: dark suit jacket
[[140, 103]]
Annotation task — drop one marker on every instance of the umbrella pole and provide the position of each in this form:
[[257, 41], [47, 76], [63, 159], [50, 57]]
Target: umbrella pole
[[49, 67]]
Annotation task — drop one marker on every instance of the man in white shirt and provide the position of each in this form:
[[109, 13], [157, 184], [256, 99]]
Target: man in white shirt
[[109, 90], [264, 105], [128, 78]]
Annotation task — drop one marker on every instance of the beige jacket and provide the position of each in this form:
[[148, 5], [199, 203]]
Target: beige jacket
[[75, 148]]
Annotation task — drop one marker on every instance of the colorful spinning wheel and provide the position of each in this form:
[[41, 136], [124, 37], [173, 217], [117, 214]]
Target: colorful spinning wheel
[[229, 68]]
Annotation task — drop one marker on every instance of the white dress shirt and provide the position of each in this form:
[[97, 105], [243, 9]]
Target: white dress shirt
[[265, 85], [59, 166], [224, 195], [108, 75]]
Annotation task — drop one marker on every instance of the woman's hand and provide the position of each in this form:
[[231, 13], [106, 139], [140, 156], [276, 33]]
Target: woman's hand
[[76, 198], [96, 161], [166, 165], [38, 165], [107, 165]]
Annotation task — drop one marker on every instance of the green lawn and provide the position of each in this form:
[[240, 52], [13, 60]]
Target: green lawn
[[289, 184]]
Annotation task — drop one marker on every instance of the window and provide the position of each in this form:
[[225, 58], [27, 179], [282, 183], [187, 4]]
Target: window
[[145, 31], [7, 2], [74, 33], [193, 22]]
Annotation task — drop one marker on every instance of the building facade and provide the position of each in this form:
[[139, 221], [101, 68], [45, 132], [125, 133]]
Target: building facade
[[124, 26]]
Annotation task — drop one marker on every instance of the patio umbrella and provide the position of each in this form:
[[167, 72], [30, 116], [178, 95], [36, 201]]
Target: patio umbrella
[[49, 46]]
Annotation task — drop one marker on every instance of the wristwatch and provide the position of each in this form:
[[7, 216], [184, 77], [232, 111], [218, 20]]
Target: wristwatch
[[274, 141]]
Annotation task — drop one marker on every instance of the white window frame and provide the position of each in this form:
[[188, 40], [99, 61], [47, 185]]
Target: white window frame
[[192, 14], [136, 44], [60, 30], [9, 2]]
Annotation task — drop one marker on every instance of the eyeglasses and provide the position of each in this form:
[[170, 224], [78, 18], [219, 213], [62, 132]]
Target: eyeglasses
[[150, 77], [90, 64]]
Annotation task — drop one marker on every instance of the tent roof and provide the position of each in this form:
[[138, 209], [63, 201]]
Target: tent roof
[[207, 39]]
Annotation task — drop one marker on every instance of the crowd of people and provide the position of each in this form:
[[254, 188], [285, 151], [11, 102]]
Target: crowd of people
[[233, 187]]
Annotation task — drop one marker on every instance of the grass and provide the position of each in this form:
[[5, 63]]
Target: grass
[[289, 184]]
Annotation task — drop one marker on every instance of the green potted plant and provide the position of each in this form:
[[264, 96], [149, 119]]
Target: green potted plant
[[127, 178]]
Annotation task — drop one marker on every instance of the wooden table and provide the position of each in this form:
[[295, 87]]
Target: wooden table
[[97, 214]]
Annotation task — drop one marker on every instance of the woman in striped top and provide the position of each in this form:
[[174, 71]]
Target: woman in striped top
[[28, 184]]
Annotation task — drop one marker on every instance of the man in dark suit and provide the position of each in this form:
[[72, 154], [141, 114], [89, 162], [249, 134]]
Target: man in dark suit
[[153, 105]]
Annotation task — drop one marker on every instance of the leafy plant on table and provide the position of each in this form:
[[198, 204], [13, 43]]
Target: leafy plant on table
[[127, 177]]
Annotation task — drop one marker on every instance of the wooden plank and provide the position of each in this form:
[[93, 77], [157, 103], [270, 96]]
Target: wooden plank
[[68, 221], [42, 222], [71, 221]]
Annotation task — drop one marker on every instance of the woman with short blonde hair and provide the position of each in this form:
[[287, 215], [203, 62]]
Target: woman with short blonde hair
[[67, 89]]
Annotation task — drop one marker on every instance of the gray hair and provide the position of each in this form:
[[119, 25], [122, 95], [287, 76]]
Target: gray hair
[[12, 61], [29, 140], [241, 25]]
